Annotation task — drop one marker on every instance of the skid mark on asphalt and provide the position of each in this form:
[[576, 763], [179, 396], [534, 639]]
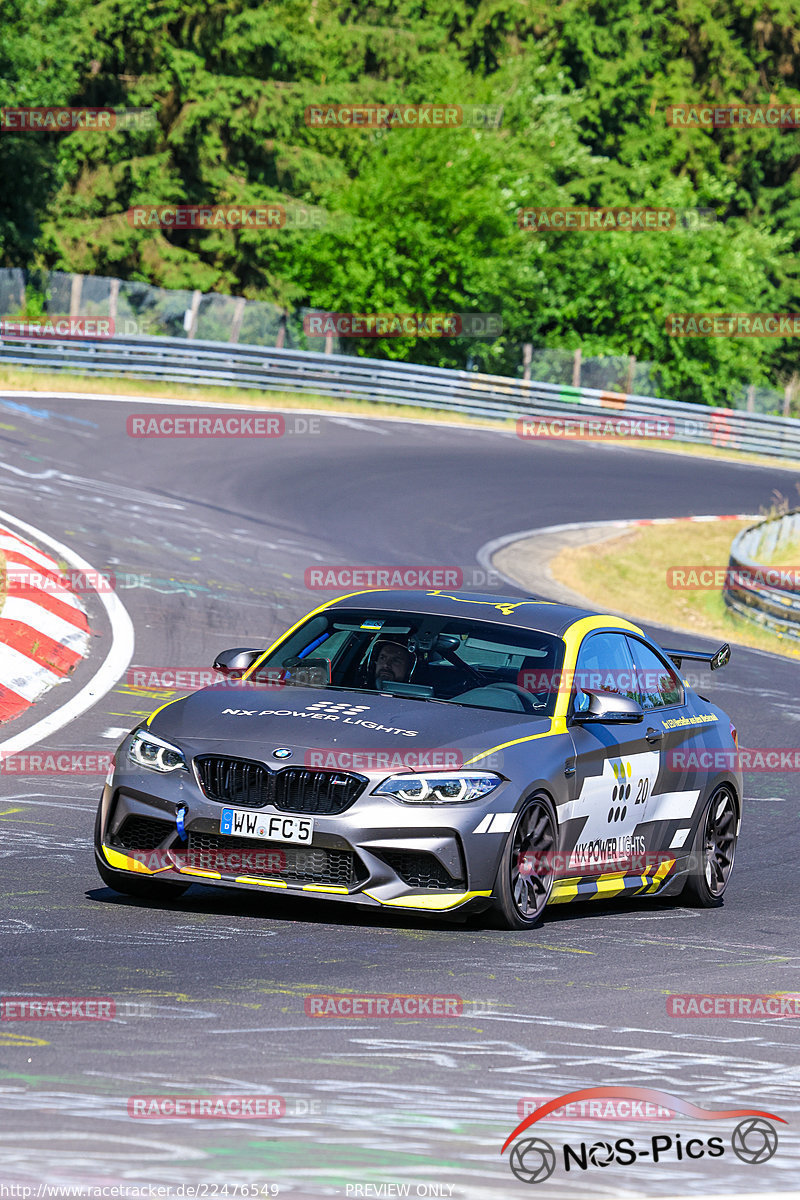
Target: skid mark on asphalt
[[50, 802], [396, 1136], [20, 1041]]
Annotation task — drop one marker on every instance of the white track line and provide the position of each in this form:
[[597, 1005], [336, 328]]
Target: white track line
[[112, 668]]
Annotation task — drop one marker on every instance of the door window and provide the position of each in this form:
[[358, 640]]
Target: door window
[[605, 665], [657, 684]]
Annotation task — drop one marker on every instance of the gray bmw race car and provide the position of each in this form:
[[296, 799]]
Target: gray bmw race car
[[434, 752]]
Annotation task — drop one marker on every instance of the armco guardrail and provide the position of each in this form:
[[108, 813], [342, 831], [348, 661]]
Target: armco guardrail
[[177, 360], [768, 595]]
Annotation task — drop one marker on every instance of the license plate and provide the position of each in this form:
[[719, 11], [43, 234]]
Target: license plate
[[246, 823]]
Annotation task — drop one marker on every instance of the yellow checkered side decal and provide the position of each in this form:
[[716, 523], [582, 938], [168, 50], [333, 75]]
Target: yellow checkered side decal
[[661, 875], [613, 883], [563, 891]]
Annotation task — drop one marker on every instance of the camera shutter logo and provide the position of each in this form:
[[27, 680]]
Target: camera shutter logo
[[533, 1160], [754, 1140]]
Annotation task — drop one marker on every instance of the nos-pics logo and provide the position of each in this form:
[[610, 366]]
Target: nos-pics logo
[[533, 1160]]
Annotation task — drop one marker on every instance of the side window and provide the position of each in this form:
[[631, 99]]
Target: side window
[[605, 664], [658, 685]]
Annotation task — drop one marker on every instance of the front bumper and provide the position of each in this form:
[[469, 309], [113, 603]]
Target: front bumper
[[378, 852]]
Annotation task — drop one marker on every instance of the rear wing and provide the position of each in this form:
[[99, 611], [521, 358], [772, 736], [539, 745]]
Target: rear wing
[[716, 660]]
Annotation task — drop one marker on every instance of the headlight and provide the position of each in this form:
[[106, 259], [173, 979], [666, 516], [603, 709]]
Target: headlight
[[147, 750], [439, 787]]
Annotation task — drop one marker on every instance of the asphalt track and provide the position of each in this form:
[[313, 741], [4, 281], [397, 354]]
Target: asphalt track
[[211, 540]]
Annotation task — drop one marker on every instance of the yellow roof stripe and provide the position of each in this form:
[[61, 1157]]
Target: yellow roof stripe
[[302, 621]]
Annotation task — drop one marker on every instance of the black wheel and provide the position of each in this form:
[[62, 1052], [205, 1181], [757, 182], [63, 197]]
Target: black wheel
[[713, 851], [143, 887], [525, 875]]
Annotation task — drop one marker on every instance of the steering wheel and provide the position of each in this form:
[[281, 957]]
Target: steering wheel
[[518, 691]]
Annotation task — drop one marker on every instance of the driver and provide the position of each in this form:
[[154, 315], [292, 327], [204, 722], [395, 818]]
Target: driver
[[392, 662]]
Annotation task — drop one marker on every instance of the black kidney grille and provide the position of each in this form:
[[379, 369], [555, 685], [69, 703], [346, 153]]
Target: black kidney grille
[[141, 833], [420, 869], [276, 860], [247, 784]]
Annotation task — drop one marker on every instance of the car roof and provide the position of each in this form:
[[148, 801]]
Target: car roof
[[543, 616]]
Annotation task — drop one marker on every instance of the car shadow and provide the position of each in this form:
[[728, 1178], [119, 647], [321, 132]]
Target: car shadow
[[228, 903]]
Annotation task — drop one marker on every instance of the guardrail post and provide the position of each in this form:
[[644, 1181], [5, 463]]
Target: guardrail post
[[190, 316], [631, 370], [113, 297], [238, 317], [76, 287]]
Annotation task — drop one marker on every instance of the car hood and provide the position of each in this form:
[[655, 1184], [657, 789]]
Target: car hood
[[301, 718]]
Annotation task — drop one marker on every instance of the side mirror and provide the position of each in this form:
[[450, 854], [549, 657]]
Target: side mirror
[[235, 662], [721, 658], [606, 707]]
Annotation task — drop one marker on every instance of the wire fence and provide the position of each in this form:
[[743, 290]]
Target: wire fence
[[140, 309]]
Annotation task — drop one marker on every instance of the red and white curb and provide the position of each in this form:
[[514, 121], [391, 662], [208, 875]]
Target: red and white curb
[[671, 520], [44, 629]]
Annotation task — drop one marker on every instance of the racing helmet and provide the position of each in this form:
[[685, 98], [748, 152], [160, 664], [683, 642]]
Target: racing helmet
[[404, 654]]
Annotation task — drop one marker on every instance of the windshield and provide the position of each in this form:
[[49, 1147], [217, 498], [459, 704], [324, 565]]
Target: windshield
[[422, 657]]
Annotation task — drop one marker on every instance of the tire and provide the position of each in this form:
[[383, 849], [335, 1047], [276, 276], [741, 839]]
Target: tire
[[143, 888], [713, 851], [524, 881]]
